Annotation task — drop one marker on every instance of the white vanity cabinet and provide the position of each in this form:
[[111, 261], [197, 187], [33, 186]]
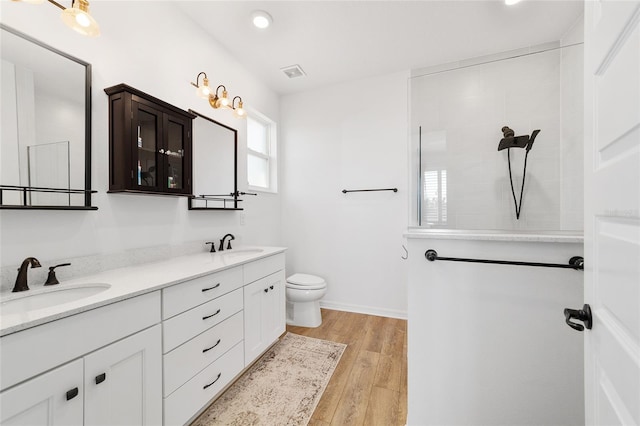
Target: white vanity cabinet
[[53, 398], [264, 305], [105, 370]]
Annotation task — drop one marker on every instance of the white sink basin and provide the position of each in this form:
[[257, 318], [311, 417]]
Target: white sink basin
[[32, 300], [241, 252]]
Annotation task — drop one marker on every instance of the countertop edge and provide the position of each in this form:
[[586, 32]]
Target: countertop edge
[[497, 236], [46, 315]]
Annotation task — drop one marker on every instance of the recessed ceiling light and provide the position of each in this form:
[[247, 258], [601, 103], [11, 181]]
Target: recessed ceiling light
[[261, 19]]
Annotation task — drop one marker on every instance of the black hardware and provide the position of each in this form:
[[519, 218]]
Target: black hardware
[[271, 287], [212, 315], [101, 378], [231, 237], [217, 378], [512, 141], [51, 278], [208, 349], [344, 191], [266, 290], [21, 279], [576, 262], [213, 246], [583, 315], [211, 288], [72, 393]]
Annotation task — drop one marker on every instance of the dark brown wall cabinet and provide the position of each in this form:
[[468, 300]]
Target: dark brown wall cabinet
[[149, 144]]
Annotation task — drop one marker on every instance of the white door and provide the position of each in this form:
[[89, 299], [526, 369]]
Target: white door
[[612, 215], [53, 398], [123, 382]]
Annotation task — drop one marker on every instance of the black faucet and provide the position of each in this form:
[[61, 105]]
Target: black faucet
[[228, 244], [21, 280]]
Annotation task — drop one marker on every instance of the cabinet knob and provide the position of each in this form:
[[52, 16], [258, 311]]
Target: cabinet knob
[[266, 290], [161, 150], [101, 378], [271, 287], [72, 393]]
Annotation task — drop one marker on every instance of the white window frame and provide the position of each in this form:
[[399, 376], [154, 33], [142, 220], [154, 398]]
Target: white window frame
[[272, 165]]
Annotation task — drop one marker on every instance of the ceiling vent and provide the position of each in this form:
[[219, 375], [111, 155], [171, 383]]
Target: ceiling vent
[[293, 71]]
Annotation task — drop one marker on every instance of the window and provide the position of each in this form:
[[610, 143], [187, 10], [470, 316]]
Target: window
[[261, 147], [435, 197]]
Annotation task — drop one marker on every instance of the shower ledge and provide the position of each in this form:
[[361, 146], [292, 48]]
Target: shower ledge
[[496, 235]]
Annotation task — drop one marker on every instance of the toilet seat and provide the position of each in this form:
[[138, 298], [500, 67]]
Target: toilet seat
[[305, 282]]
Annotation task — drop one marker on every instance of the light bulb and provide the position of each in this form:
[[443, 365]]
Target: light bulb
[[261, 19], [77, 17], [223, 102], [204, 90]]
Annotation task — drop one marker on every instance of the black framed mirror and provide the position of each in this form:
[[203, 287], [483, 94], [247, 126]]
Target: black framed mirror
[[215, 165], [45, 140]]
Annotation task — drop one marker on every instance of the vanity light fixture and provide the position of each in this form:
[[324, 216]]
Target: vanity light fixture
[[76, 17], [220, 101], [238, 110], [204, 91], [217, 99]]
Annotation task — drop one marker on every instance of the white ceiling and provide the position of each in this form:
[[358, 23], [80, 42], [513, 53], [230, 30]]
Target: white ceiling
[[337, 41]]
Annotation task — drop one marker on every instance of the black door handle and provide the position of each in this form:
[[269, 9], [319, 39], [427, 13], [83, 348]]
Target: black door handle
[[583, 315]]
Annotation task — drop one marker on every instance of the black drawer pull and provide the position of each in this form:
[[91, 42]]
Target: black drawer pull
[[266, 290], [208, 349], [100, 378], [212, 315], [217, 378], [211, 288], [72, 393], [271, 287]]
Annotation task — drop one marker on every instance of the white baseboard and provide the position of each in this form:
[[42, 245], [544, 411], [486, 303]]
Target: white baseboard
[[369, 310]]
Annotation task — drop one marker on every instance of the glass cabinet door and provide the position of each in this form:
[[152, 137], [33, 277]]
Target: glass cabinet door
[[174, 154], [146, 129]]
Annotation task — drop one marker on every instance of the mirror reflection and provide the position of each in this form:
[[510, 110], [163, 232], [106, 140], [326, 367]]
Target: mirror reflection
[[45, 120], [214, 164]]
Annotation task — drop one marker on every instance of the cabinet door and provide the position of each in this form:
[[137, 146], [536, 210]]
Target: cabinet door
[[123, 382], [264, 314], [146, 147], [177, 157], [53, 398]]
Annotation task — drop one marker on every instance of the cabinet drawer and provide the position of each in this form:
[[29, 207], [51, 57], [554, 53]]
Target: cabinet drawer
[[194, 395], [186, 295], [183, 327], [263, 267], [187, 360]]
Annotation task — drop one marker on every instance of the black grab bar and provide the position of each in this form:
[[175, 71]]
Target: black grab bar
[[344, 191], [576, 262]]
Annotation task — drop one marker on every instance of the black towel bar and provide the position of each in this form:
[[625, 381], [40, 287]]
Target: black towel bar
[[344, 191], [576, 262]]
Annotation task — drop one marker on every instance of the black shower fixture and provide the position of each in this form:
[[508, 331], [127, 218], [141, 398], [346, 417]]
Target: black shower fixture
[[511, 141]]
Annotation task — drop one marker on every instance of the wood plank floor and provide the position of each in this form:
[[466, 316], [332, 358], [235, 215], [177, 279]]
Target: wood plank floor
[[369, 386]]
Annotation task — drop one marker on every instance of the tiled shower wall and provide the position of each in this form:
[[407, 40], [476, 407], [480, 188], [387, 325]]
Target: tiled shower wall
[[460, 111]]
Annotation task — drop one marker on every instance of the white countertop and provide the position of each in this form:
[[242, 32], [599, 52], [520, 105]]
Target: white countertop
[[496, 235], [130, 282]]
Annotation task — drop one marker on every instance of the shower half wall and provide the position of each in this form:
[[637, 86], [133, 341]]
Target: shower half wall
[[487, 343]]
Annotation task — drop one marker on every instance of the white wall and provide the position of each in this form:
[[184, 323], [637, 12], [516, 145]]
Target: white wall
[[348, 136], [159, 56], [467, 106], [488, 344]]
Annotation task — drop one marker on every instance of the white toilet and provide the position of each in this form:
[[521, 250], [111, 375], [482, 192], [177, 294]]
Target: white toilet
[[304, 292]]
